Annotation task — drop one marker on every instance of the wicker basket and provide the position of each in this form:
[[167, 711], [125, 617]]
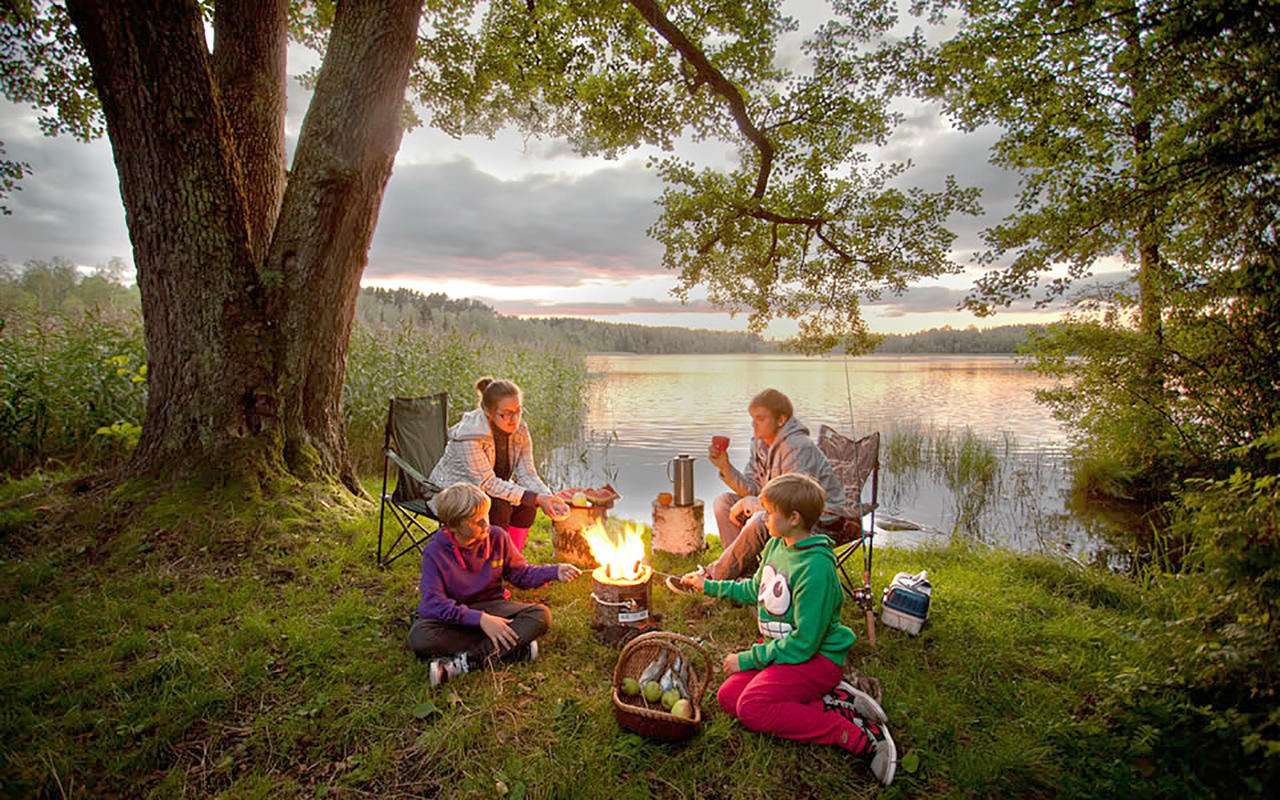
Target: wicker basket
[[651, 719]]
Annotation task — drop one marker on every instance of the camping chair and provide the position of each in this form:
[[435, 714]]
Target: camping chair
[[417, 431], [853, 462]]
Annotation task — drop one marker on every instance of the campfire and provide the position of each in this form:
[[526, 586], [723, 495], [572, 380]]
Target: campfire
[[620, 583], [620, 554]]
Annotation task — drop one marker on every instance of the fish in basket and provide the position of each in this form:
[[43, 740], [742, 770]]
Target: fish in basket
[[658, 685]]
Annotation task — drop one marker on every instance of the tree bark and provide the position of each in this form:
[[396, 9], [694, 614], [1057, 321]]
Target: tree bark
[[346, 149], [246, 353], [249, 64], [1151, 382]]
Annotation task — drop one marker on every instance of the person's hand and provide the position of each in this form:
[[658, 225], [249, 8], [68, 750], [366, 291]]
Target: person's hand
[[567, 572], [742, 510], [720, 458], [499, 632], [730, 664], [553, 507], [695, 579]]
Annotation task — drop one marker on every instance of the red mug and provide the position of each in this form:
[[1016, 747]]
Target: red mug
[[720, 443]]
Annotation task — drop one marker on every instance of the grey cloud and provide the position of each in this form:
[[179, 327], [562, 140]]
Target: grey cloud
[[454, 220], [937, 150], [69, 205]]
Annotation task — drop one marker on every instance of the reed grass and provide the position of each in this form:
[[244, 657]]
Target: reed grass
[[64, 378], [73, 387], [967, 464], [403, 361]]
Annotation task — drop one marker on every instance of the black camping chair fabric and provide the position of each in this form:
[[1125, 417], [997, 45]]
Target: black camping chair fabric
[[416, 433], [853, 461]]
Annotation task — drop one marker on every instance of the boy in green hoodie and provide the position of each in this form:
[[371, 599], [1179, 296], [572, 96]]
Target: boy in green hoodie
[[790, 683]]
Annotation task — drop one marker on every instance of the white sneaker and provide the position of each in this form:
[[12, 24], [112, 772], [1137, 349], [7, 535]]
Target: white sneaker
[[845, 699], [881, 755], [448, 668]]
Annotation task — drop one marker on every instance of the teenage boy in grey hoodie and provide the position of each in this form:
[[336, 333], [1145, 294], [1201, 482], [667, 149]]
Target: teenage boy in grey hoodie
[[780, 444]]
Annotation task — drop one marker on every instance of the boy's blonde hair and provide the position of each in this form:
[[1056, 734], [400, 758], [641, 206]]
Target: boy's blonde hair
[[459, 501], [796, 492]]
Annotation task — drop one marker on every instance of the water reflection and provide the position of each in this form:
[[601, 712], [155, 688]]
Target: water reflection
[[965, 449]]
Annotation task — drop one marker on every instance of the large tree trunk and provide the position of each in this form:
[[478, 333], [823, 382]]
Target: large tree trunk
[[247, 288], [346, 149], [1151, 382]]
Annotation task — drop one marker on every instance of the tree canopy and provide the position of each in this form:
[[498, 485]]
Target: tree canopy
[[1130, 124]]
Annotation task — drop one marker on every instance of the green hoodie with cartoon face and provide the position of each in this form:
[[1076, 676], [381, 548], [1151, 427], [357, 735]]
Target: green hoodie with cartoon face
[[798, 599]]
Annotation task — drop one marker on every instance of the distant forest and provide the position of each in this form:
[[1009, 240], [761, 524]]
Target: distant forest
[[58, 286], [380, 307], [1002, 339]]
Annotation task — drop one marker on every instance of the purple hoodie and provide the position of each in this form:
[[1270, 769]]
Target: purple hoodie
[[453, 576]]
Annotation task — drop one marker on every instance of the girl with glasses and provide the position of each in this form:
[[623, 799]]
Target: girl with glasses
[[490, 448]]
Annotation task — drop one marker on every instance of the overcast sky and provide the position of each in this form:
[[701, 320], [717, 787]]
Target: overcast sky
[[527, 227]]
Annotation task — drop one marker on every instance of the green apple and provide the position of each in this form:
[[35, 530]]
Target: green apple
[[669, 698], [630, 687], [652, 691], [682, 708]]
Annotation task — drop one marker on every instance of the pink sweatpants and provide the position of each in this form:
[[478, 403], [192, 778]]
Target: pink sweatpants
[[786, 700]]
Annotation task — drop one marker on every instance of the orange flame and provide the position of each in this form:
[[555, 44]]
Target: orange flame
[[620, 553]]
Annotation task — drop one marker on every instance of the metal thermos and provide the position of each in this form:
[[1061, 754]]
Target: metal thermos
[[680, 473]]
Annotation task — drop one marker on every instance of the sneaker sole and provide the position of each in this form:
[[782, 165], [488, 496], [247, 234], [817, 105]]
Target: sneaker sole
[[893, 757]]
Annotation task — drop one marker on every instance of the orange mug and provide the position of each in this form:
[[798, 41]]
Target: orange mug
[[664, 498]]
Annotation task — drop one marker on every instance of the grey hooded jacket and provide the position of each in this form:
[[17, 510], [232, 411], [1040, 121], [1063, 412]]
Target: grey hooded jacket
[[791, 451]]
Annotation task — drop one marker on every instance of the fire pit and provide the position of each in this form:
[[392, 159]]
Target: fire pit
[[620, 585]]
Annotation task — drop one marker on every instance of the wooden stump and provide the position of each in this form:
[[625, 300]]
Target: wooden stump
[[678, 529], [566, 535]]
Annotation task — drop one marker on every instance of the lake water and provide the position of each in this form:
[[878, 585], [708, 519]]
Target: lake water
[[643, 410]]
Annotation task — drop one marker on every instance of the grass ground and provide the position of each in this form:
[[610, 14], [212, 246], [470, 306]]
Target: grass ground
[[165, 649]]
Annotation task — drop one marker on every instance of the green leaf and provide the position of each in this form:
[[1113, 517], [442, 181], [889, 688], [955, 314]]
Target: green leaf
[[910, 762], [425, 709]]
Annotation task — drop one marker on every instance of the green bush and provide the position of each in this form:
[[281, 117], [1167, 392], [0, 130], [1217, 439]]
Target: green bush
[[1203, 679], [1235, 526]]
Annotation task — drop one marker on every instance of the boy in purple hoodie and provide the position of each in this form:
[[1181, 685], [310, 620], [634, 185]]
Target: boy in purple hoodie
[[465, 618]]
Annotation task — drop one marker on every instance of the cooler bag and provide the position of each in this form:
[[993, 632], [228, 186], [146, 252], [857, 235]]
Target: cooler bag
[[905, 602]]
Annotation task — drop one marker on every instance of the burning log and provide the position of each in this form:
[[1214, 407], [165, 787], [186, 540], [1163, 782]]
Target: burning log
[[621, 609], [621, 583]]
